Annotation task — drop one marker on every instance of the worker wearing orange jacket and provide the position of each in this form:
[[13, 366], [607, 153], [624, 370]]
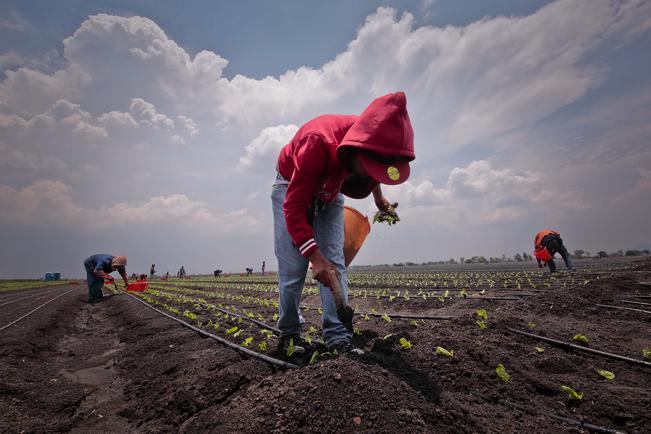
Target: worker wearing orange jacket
[[546, 244]]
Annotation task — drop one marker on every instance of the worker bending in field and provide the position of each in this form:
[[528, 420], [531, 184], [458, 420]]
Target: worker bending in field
[[99, 267], [546, 244], [329, 157]]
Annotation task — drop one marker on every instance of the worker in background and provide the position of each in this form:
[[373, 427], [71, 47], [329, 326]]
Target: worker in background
[[99, 267], [546, 244], [152, 271], [329, 157], [263, 267], [181, 273], [217, 273]]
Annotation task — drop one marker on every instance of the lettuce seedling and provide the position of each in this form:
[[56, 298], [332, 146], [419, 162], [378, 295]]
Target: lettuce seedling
[[442, 351], [581, 338], [481, 313], [531, 325], [571, 393], [606, 374], [539, 349], [247, 341], [357, 331], [291, 348], [366, 317], [262, 346], [414, 323], [462, 293], [501, 372], [231, 330], [386, 317], [481, 324], [405, 344], [646, 352], [314, 358]]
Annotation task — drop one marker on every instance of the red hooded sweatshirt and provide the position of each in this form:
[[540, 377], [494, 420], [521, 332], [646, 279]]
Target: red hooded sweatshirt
[[309, 161]]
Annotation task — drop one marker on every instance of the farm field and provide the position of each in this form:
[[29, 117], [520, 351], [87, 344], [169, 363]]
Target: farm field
[[447, 349]]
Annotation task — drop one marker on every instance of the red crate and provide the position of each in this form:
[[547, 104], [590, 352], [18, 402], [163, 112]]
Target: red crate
[[138, 286]]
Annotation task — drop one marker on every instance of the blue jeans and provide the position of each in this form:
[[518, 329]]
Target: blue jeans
[[292, 266], [94, 282]]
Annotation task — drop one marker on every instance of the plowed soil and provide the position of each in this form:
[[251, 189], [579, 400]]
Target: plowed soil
[[118, 366]]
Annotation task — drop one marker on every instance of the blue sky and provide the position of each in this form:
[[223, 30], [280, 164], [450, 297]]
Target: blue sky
[[151, 128]]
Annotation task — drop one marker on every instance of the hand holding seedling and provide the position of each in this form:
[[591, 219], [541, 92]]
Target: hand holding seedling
[[387, 213]]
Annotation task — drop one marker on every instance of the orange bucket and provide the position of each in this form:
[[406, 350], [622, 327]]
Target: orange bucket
[[356, 228], [139, 286], [543, 254]]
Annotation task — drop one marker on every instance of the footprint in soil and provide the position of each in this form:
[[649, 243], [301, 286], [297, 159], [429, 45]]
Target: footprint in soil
[[383, 354]]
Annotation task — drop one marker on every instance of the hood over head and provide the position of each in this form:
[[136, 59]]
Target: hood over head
[[384, 139]]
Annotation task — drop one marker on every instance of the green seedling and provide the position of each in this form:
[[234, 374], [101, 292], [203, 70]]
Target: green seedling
[[481, 313], [262, 346], [646, 352], [572, 394], [314, 358], [291, 348], [443, 352], [357, 331], [389, 216], [386, 317], [308, 339], [366, 317], [237, 333], [414, 323], [539, 349], [481, 324], [275, 317], [531, 325], [405, 344], [581, 338], [267, 333], [501, 372], [606, 374], [231, 330], [247, 341]]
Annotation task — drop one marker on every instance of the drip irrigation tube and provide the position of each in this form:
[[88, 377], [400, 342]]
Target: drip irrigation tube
[[580, 348], [34, 310], [25, 298], [525, 409], [394, 315], [244, 350], [608, 306], [636, 302], [244, 317]]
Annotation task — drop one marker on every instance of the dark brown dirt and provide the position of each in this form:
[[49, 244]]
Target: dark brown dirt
[[119, 367]]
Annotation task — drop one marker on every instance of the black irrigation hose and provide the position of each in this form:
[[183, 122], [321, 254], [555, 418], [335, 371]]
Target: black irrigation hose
[[34, 310], [25, 298], [580, 348], [393, 315], [608, 306], [244, 350], [588, 426], [244, 317], [636, 302]]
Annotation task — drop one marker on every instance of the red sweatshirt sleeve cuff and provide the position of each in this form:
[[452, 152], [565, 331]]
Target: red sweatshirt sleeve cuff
[[308, 247]]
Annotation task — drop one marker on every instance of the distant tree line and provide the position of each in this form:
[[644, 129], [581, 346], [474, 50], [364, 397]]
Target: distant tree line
[[520, 257]]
